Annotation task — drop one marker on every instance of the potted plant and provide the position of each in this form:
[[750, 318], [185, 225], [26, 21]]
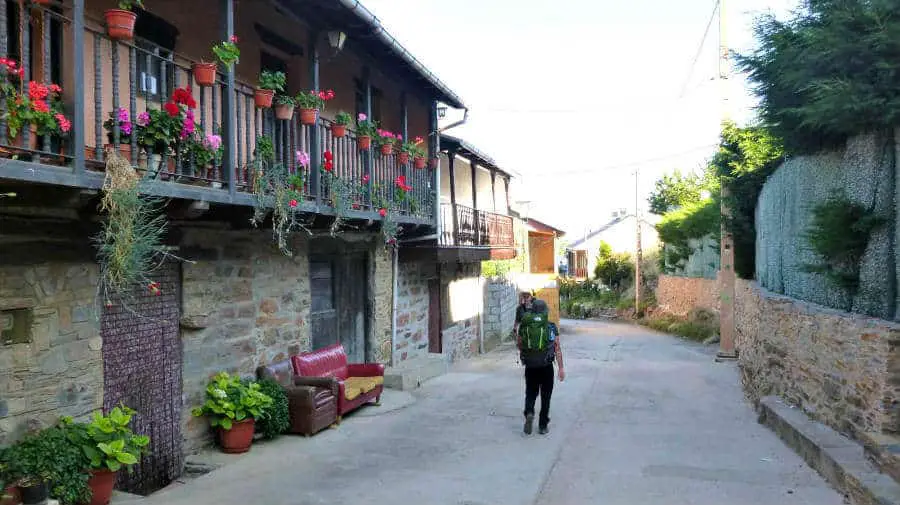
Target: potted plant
[[109, 445], [284, 107], [38, 108], [226, 51], [365, 130], [269, 84], [386, 140], [418, 153], [203, 152], [341, 121], [233, 407], [161, 130], [120, 22], [310, 103], [411, 149]]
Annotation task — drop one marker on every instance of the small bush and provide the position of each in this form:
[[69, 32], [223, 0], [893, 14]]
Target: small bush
[[699, 325], [278, 420]]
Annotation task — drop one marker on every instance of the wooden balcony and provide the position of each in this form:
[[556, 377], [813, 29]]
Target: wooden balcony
[[467, 227], [100, 75]]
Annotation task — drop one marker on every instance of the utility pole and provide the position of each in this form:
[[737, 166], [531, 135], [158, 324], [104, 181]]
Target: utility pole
[[637, 249], [726, 258]]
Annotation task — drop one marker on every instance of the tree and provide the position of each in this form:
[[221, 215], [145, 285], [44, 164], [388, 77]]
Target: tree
[[675, 190], [613, 269]]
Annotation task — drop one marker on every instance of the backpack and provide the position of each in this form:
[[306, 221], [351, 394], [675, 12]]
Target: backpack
[[538, 348]]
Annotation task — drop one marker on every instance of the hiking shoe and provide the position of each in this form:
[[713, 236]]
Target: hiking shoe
[[529, 424], [543, 430]]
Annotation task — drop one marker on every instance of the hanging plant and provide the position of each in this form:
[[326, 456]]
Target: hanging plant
[[340, 191], [276, 188], [130, 243]]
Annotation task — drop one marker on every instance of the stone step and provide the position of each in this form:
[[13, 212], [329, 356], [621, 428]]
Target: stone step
[[884, 450], [413, 373]]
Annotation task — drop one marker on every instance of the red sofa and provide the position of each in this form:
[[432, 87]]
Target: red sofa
[[358, 383]]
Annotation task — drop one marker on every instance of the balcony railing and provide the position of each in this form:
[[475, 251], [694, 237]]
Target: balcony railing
[[466, 227], [141, 76]]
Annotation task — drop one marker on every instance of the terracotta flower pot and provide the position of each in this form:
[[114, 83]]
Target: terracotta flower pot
[[204, 73], [420, 162], [433, 163], [284, 111], [365, 142], [308, 116], [120, 24], [338, 130], [403, 158], [101, 483], [239, 438], [263, 98], [386, 149], [17, 141]]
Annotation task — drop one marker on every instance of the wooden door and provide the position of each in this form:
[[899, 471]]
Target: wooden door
[[351, 305], [323, 313], [434, 316]]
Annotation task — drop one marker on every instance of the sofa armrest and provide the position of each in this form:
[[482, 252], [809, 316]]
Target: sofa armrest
[[321, 382], [365, 370], [300, 395]]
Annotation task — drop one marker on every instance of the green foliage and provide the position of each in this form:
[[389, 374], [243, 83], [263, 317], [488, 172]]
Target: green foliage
[[613, 269], [230, 400], [580, 299], [265, 149], [342, 118], [839, 234], [276, 419], [674, 191], [285, 100], [130, 4], [274, 81], [494, 269], [108, 441], [691, 328], [677, 228], [276, 189], [227, 52], [745, 159], [828, 73], [50, 456]]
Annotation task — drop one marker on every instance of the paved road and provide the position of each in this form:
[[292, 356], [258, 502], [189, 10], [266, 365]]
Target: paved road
[[642, 419]]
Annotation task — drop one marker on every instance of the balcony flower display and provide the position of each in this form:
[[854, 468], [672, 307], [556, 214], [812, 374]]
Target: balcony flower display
[[413, 149], [284, 107], [227, 52], [386, 140], [311, 103], [159, 130], [365, 130], [341, 121], [269, 84], [204, 152], [120, 22], [36, 106]]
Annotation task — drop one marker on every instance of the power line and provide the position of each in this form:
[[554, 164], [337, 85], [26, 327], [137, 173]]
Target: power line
[[712, 18], [623, 165]]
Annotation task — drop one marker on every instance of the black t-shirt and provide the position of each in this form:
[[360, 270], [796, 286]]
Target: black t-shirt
[[520, 312]]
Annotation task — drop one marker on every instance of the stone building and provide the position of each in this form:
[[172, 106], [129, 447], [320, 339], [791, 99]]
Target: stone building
[[227, 298]]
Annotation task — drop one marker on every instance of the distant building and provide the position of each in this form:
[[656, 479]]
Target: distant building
[[619, 232]]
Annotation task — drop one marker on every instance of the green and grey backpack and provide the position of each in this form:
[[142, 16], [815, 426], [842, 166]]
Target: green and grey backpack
[[537, 342]]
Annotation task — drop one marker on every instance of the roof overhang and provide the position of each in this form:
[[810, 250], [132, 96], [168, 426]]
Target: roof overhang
[[462, 148]]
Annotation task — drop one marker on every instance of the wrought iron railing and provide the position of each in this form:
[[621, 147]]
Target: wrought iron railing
[[139, 76], [466, 227]]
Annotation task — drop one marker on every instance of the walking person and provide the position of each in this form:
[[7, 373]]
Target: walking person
[[538, 342]]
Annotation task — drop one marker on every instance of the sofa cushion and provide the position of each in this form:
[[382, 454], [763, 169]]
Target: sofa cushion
[[327, 362], [355, 386], [281, 372]]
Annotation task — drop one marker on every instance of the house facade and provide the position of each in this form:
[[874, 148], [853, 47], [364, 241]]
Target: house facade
[[620, 232], [224, 296]]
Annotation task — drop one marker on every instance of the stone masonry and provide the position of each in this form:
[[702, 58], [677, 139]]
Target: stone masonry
[[842, 369], [382, 302], [501, 297], [60, 371], [461, 296], [680, 295], [412, 310], [244, 305]]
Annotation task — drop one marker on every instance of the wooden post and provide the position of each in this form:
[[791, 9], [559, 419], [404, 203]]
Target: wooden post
[[451, 156]]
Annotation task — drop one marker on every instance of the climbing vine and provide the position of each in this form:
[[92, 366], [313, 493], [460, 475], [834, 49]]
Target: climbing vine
[[130, 244], [839, 234], [276, 188]]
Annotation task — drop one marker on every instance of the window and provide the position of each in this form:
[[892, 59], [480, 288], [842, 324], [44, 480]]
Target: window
[[361, 101], [155, 39], [272, 63]]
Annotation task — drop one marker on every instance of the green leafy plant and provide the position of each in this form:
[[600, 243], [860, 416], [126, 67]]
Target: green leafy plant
[[128, 5], [274, 81], [265, 149], [285, 100], [227, 51], [276, 189], [277, 419], [839, 234], [47, 456], [613, 269], [313, 99], [365, 126], [230, 400], [342, 118], [203, 150], [693, 221], [675, 190], [32, 104], [108, 441], [414, 148]]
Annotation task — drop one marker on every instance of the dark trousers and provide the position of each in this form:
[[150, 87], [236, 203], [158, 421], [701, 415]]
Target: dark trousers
[[539, 380]]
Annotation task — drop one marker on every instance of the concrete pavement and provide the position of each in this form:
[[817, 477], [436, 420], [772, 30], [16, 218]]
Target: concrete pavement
[[642, 418]]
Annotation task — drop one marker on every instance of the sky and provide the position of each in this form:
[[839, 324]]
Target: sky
[[572, 96]]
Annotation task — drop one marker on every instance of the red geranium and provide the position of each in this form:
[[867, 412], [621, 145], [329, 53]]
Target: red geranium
[[183, 96], [382, 212], [328, 166], [328, 156], [172, 109], [37, 91], [40, 106]]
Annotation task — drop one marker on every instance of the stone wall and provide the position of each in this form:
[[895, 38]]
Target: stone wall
[[703, 261], [842, 369], [381, 298], [461, 299], [501, 297], [412, 310], [865, 171], [680, 295], [253, 303], [60, 371]]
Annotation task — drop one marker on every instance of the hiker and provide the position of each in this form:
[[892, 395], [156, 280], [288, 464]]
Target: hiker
[[538, 342]]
